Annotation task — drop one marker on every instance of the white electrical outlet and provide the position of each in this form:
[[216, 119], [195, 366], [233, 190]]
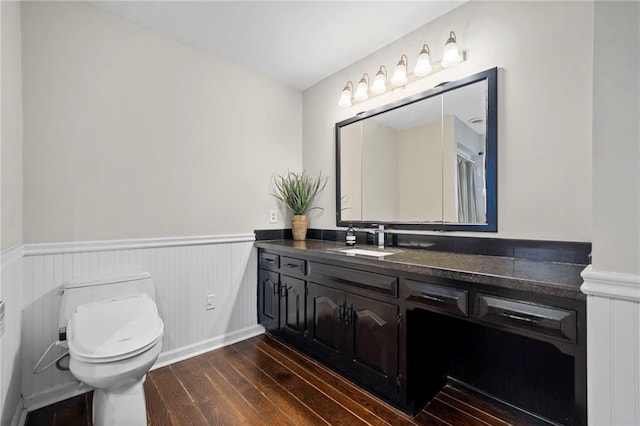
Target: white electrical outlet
[[210, 302], [273, 216]]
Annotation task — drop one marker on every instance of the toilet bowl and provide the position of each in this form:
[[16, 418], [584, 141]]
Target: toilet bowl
[[113, 342]]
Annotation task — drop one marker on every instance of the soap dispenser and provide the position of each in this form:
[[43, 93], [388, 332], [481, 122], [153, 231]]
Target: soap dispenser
[[350, 239]]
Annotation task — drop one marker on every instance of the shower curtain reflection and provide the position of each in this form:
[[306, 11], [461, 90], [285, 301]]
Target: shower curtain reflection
[[469, 210]]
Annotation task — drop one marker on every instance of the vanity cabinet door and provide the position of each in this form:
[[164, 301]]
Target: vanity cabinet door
[[268, 299], [355, 334], [325, 321], [372, 343], [292, 309]]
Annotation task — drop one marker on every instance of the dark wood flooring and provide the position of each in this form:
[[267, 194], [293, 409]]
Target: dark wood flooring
[[261, 381]]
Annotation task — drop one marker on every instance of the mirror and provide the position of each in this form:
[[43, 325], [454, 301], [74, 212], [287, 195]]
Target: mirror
[[426, 162]]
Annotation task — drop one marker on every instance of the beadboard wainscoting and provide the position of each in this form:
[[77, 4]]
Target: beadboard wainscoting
[[184, 271], [613, 347], [10, 349]]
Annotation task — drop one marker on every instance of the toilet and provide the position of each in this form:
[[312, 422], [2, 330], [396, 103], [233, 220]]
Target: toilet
[[114, 335]]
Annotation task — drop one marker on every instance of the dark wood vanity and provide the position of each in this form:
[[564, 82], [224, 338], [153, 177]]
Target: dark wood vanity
[[404, 325]]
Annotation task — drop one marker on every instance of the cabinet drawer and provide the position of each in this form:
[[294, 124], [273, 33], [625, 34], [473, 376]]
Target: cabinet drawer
[[438, 298], [542, 320], [352, 277], [293, 266], [269, 261]]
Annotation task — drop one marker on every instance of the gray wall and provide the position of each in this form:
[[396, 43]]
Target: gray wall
[[616, 137], [11, 127], [129, 134], [545, 54]]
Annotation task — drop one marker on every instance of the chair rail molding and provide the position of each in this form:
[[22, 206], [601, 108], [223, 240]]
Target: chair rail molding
[[614, 285], [129, 244]]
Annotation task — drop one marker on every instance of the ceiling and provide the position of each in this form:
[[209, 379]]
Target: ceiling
[[468, 103], [295, 42]]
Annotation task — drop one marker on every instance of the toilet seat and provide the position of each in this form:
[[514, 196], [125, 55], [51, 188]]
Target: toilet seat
[[114, 329]]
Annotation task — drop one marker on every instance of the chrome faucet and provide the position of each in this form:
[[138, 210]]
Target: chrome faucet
[[380, 235]]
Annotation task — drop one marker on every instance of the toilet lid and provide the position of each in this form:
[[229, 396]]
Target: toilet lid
[[114, 329]]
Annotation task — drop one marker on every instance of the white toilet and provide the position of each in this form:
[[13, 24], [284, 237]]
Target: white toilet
[[114, 335]]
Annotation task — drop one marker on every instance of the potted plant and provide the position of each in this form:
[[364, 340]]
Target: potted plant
[[297, 191]]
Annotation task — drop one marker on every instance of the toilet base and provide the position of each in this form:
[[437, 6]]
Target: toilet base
[[122, 405]]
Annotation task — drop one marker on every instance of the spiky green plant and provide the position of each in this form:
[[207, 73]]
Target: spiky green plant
[[297, 190]]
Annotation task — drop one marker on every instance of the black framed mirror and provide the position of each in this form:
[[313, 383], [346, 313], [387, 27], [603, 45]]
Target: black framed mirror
[[427, 162]]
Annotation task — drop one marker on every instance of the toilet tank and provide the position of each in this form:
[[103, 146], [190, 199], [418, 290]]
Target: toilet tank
[[81, 291]]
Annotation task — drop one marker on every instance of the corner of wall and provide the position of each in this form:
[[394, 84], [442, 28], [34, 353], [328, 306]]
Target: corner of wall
[[11, 234], [12, 129]]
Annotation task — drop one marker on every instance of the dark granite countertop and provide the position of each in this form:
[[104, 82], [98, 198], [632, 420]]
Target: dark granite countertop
[[544, 278]]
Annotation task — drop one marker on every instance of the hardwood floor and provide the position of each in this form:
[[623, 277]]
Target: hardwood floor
[[261, 381]]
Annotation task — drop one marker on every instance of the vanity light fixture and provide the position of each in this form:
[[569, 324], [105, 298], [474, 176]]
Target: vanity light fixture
[[345, 98], [423, 62], [379, 85], [400, 73], [451, 56], [362, 91]]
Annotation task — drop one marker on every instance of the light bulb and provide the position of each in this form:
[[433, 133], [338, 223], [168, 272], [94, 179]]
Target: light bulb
[[451, 55], [345, 97], [423, 63], [400, 73], [362, 89], [379, 85]]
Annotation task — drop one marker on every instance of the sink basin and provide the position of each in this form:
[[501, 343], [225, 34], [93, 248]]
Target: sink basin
[[354, 251]]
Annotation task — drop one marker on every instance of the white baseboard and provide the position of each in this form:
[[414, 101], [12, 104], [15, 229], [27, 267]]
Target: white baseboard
[[20, 415], [51, 396], [180, 354], [22, 419]]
